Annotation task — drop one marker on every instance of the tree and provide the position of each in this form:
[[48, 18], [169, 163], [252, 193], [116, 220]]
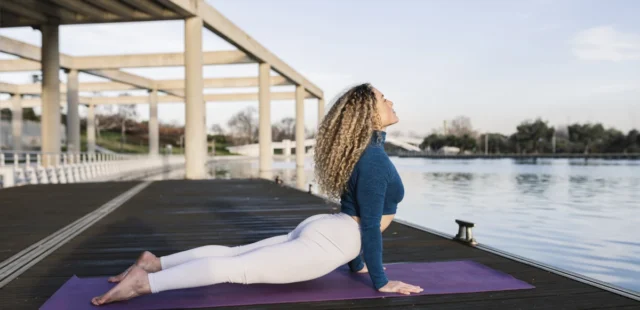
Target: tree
[[433, 141], [125, 113], [28, 114], [217, 129], [534, 137], [460, 126], [466, 143], [633, 141], [436, 142], [498, 143], [285, 129], [584, 138], [614, 142], [244, 126]]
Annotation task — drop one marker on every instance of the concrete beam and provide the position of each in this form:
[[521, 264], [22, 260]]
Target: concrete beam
[[157, 60], [185, 8], [16, 9], [37, 102], [86, 9], [130, 61], [223, 27], [19, 65], [167, 85], [124, 77], [31, 52], [58, 13], [34, 89], [10, 88], [275, 96], [151, 8], [27, 51], [225, 82], [119, 9]]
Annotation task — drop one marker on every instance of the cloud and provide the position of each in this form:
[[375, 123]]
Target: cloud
[[606, 43]]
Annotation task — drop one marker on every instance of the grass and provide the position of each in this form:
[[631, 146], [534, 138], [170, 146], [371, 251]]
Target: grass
[[111, 141]]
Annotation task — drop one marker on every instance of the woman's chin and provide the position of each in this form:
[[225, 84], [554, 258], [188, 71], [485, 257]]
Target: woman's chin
[[395, 121]]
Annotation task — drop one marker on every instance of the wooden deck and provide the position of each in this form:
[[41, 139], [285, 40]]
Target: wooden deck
[[30, 213], [170, 216]]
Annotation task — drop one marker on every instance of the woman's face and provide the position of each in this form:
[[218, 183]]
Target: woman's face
[[384, 106]]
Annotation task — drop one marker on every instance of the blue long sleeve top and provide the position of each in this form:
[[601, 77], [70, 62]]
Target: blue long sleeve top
[[373, 189]]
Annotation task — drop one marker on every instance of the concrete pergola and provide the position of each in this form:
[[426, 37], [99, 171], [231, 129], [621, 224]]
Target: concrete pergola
[[48, 15]]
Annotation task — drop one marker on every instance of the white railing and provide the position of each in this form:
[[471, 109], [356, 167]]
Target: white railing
[[22, 168]]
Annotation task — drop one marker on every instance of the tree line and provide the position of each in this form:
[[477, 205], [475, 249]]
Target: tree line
[[535, 137]]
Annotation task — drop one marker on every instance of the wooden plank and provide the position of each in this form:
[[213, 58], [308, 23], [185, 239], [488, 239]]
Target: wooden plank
[[30, 213], [172, 216]]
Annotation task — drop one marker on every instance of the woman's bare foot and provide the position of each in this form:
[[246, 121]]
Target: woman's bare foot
[[134, 284], [147, 261]]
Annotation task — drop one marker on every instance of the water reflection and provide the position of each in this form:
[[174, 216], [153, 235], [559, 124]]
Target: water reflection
[[533, 184], [559, 212]]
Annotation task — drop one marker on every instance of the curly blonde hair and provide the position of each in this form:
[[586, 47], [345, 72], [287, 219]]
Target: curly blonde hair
[[344, 133]]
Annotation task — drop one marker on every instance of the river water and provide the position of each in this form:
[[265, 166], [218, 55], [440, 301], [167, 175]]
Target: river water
[[581, 216]]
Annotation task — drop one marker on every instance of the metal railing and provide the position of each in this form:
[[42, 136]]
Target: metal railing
[[22, 168]]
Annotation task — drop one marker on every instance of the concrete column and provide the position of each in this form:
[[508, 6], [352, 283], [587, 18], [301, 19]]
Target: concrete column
[[264, 113], [91, 129], [73, 119], [301, 178], [154, 130], [300, 126], [16, 121], [320, 111], [195, 132], [286, 144], [50, 120]]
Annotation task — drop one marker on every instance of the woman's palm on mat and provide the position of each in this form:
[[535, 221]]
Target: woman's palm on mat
[[400, 287]]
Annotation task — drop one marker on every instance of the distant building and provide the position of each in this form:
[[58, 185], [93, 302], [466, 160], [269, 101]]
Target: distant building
[[449, 150], [30, 135]]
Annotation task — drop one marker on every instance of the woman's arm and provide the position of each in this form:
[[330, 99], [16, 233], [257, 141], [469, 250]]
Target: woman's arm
[[357, 264], [386, 221], [370, 191]]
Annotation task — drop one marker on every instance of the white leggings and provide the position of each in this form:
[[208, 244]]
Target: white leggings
[[317, 246]]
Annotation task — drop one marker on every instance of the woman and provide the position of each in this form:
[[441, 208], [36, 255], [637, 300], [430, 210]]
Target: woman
[[351, 164]]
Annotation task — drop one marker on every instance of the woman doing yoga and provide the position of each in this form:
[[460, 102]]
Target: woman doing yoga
[[350, 164]]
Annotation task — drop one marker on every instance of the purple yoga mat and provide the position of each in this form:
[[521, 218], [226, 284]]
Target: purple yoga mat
[[435, 278]]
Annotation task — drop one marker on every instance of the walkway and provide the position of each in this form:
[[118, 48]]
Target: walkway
[[170, 216]]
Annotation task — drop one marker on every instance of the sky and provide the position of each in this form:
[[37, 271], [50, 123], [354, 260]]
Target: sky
[[497, 62]]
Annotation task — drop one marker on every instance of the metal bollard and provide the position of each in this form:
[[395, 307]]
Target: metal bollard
[[464, 233]]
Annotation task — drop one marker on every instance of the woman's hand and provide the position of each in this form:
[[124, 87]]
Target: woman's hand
[[400, 287], [365, 270]]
